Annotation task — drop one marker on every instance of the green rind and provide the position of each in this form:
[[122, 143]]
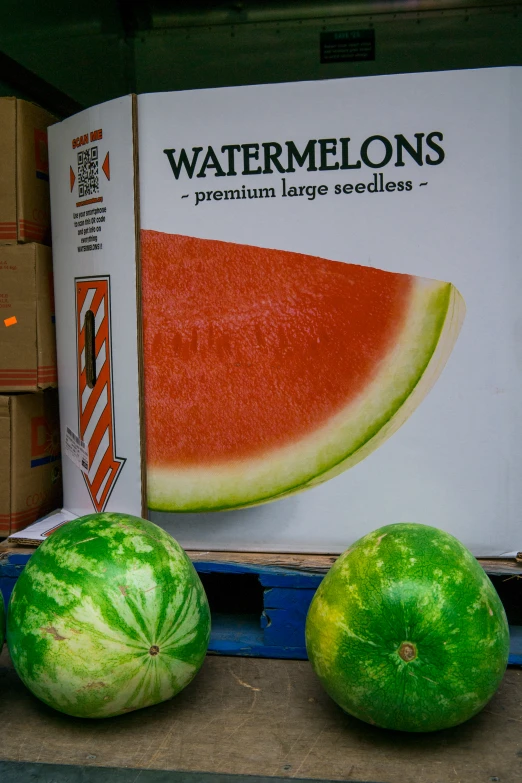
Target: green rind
[[446, 312], [437, 313], [89, 606], [408, 583], [2, 621]]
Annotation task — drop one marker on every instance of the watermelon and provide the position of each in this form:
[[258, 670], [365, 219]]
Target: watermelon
[[407, 632], [267, 372], [108, 616]]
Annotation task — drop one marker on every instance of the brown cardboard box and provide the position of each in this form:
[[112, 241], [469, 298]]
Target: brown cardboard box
[[24, 172], [31, 470], [27, 331]]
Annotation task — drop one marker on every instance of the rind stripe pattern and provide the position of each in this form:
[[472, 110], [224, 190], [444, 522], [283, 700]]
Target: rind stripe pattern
[[91, 604], [415, 585]]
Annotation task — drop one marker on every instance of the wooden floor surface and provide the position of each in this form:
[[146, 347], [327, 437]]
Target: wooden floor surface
[[265, 717]]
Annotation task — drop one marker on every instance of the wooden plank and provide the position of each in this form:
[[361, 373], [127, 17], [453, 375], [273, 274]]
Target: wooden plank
[[316, 563], [6, 548], [250, 716], [300, 562], [322, 563], [510, 567]]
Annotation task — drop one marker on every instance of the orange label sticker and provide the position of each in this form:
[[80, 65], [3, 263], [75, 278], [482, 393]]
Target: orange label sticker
[[10, 321]]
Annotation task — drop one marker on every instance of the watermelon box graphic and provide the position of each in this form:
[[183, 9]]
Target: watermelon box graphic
[[283, 321]]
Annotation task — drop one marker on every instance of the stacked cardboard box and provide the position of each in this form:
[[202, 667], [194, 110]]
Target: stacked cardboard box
[[30, 475], [24, 173]]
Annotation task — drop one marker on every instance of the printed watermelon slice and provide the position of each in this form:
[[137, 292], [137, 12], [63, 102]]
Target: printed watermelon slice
[[267, 372]]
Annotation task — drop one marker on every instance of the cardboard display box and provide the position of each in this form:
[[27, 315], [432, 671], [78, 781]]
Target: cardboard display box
[[27, 322], [24, 172], [246, 313], [31, 475]]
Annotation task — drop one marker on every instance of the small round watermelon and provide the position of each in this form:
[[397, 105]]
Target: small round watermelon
[[108, 616], [407, 632]]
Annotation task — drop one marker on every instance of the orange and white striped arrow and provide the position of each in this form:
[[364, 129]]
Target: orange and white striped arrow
[[95, 399]]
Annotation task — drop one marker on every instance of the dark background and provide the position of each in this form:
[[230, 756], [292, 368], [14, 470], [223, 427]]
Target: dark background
[[87, 52]]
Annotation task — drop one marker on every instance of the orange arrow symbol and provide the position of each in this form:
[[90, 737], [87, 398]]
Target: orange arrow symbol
[[106, 167], [95, 399], [72, 178]]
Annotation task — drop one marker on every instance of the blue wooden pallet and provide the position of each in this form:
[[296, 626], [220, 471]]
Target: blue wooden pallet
[[278, 632], [275, 632]]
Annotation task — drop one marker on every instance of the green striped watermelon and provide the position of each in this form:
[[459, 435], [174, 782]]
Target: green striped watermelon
[[108, 616], [407, 632]]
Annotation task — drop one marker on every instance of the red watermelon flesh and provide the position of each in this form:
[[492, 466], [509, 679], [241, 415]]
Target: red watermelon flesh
[[250, 352]]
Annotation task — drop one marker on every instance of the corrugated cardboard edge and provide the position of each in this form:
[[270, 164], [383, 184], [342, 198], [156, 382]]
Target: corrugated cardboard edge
[[31, 117], [8, 105], [24, 255], [45, 333], [17, 173], [139, 316], [5, 462], [34, 250]]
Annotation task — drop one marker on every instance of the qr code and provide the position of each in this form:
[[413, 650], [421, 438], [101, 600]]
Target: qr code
[[88, 172]]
